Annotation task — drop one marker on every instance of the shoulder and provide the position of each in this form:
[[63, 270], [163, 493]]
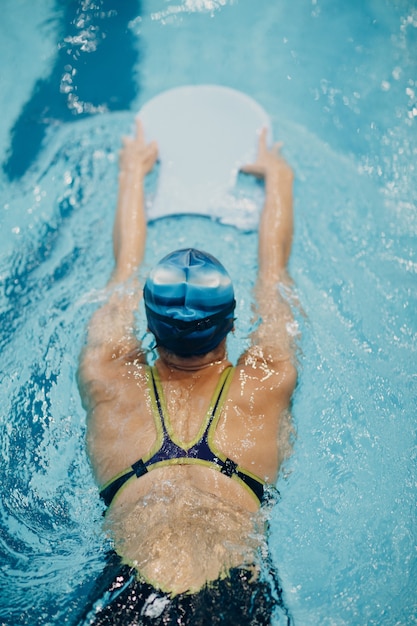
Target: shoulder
[[273, 373], [101, 375], [111, 335]]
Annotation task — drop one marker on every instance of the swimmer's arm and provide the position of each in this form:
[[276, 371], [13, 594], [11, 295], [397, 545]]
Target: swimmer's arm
[[137, 158], [111, 332], [276, 221], [274, 247]]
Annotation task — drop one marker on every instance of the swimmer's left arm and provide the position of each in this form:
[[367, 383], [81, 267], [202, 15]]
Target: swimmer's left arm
[[111, 332]]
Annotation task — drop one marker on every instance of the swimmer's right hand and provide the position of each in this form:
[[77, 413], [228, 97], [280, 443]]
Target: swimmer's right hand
[[136, 155], [269, 161]]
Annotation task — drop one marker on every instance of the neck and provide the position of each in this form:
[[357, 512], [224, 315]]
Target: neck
[[196, 363]]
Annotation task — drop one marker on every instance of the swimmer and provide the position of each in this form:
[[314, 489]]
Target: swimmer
[[186, 451]]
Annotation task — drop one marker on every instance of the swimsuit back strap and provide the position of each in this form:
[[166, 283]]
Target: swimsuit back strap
[[228, 467], [138, 469], [109, 490], [161, 417], [218, 398]]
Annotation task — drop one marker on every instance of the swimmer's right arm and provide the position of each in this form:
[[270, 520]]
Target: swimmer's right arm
[[276, 221], [274, 247], [111, 331]]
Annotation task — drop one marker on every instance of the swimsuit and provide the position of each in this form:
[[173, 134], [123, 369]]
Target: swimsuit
[[201, 451], [118, 597]]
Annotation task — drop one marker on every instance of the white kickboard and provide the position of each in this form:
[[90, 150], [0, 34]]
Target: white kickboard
[[205, 134]]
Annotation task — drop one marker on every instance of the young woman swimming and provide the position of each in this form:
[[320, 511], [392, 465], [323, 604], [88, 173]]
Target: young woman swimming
[[185, 451]]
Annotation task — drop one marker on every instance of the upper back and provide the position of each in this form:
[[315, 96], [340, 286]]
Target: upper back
[[121, 425]]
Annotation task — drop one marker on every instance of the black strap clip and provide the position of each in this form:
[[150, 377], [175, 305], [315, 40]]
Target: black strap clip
[[229, 468], [139, 468]]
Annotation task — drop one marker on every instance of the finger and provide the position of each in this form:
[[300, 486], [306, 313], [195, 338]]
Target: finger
[[154, 147], [277, 147], [139, 130], [248, 169], [262, 138], [152, 151]]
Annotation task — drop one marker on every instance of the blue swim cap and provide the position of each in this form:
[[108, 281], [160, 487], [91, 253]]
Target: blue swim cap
[[189, 302]]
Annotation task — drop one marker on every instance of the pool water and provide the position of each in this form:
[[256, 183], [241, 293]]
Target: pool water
[[340, 83]]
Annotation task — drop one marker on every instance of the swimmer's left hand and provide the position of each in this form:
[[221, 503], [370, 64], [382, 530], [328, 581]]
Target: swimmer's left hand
[[136, 155]]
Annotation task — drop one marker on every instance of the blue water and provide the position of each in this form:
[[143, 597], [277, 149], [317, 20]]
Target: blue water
[[340, 83]]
